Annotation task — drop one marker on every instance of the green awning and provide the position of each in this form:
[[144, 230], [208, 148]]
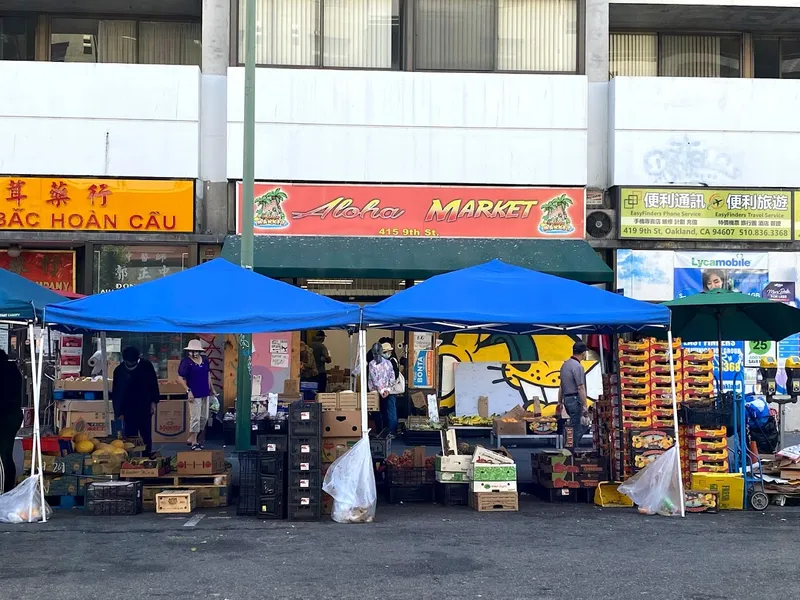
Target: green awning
[[414, 258]]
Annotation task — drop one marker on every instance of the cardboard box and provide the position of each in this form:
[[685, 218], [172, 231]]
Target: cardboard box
[[80, 385], [144, 467], [202, 462], [340, 423], [171, 422], [91, 423], [459, 463], [543, 425], [102, 466], [730, 488], [373, 401], [333, 448], [172, 370], [65, 485], [701, 501], [511, 423], [420, 455], [481, 472], [348, 401], [328, 400], [492, 486], [451, 477]]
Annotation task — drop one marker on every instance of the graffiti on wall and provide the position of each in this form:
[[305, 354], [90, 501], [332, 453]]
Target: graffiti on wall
[[530, 365], [685, 160]]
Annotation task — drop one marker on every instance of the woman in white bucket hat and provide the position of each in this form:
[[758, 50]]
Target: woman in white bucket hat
[[195, 374]]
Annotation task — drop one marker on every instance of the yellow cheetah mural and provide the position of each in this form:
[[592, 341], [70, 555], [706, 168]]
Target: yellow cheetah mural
[[529, 364]]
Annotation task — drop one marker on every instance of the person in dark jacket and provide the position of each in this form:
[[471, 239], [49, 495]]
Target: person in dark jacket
[[10, 419], [135, 395]]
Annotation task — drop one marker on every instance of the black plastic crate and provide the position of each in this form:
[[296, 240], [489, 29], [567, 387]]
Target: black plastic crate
[[305, 429], [311, 445], [413, 476], [564, 495], [452, 494], [125, 507], [271, 507], [409, 493], [271, 485], [302, 411], [305, 462], [276, 426], [306, 480], [305, 512], [115, 490], [380, 447], [717, 415], [302, 496], [272, 443]]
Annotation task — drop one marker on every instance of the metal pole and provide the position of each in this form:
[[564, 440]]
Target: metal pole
[[362, 357], [243, 379], [675, 420]]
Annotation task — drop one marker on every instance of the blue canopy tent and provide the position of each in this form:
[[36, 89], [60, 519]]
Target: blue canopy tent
[[215, 297], [497, 297], [22, 300]]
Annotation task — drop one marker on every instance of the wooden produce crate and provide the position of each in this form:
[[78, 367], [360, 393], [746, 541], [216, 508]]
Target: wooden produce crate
[[206, 496], [175, 502], [494, 501]]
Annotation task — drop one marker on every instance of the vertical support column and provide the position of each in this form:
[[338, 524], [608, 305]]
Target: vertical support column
[[597, 69], [213, 191]]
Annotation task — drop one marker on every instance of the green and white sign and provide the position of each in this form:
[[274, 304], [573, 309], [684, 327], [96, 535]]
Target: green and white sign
[[755, 351]]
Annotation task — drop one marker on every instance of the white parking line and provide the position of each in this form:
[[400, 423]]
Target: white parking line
[[193, 521]]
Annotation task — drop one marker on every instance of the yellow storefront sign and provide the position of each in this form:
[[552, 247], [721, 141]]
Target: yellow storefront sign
[[65, 204], [705, 214]]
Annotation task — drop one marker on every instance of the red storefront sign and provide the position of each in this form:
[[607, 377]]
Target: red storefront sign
[[411, 211], [54, 269]]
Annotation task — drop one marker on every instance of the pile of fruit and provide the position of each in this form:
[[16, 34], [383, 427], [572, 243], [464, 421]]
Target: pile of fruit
[[83, 444], [473, 421], [406, 461]]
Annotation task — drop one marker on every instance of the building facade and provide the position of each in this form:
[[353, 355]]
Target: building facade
[[626, 116]]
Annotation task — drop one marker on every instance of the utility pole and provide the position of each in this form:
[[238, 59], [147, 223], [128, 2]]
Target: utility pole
[[243, 375]]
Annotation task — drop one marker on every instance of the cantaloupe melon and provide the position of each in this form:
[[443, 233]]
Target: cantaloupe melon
[[84, 447], [118, 452], [118, 444], [67, 432], [80, 437]]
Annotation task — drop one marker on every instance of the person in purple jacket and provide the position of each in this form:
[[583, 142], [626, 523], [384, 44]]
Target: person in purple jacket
[[195, 373]]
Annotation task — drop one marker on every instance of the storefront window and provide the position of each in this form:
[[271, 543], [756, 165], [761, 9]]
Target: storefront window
[[118, 267], [121, 41]]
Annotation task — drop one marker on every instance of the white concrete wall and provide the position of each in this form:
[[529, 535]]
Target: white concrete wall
[[719, 132], [401, 127], [99, 120]]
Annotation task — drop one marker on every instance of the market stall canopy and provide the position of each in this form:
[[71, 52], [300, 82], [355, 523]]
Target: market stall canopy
[[215, 297], [414, 258], [21, 299], [502, 298], [725, 315]]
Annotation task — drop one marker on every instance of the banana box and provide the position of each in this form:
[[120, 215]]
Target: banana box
[[636, 423], [634, 402], [663, 357], [697, 396], [705, 455], [639, 389], [663, 399], [697, 357], [667, 388], [698, 431], [660, 422], [698, 380], [651, 439], [702, 466], [701, 444], [640, 368], [659, 369], [646, 458], [701, 501], [665, 380], [640, 346], [662, 346], [662, 412]]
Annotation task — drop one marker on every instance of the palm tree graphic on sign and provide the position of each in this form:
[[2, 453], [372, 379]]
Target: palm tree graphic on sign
[[555, 215], [269, 210]]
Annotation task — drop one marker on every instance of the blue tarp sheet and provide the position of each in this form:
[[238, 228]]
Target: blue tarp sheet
[[215, 297], [21, 298], [503, 298]]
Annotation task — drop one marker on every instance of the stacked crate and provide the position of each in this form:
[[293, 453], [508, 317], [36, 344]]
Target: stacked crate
[[634, 382], [493, 482], [698, 377], [662, 414], [648, 444], [562, 476], [703, 450], [304, 497], [262, 484]]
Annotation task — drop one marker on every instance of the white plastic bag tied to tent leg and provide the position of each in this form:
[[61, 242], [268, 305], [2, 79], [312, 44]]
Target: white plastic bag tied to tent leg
[[657, 489], [350, 481]]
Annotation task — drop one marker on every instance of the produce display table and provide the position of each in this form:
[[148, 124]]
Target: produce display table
[[497, 440], [471, 431]]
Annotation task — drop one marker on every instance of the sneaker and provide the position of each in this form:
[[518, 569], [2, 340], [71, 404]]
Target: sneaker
[[196, 447]]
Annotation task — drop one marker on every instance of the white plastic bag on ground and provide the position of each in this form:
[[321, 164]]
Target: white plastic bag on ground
[[350, 481], [656, 489], [23, 504]]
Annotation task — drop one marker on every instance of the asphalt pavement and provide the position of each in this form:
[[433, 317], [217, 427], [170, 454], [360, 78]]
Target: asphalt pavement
[[413, 551]]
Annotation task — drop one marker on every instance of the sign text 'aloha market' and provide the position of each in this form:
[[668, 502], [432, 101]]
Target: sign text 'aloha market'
[[705, 214]]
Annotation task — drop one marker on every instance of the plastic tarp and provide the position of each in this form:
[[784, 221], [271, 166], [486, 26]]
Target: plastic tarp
[[215, 297], [503, 298], [21, 299]]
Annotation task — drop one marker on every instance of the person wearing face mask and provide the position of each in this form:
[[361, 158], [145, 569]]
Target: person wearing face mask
[[135, 395], [381, 379], [195, 373], [572, 391]]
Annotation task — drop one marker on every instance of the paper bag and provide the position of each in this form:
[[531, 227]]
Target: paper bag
[[483, 407]]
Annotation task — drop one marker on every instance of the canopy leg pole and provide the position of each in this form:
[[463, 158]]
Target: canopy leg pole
[[602, 358], [36, 463], [362, 374], [40, 371], [104, 367], [675, 419]]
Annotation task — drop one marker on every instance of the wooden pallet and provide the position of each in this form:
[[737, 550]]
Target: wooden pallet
[[186, 481], [494, 501], [206, 496]]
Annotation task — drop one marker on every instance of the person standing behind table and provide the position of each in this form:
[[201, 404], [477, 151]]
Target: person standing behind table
[[322, 358], [10, 420], [135, 395], [572, 392], [195, 373], [381, 379]]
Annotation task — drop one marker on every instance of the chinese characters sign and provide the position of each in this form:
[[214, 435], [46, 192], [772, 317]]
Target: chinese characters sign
[[120, 267], [705, 214], [53, 269], [63, 204], [410, 211]]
